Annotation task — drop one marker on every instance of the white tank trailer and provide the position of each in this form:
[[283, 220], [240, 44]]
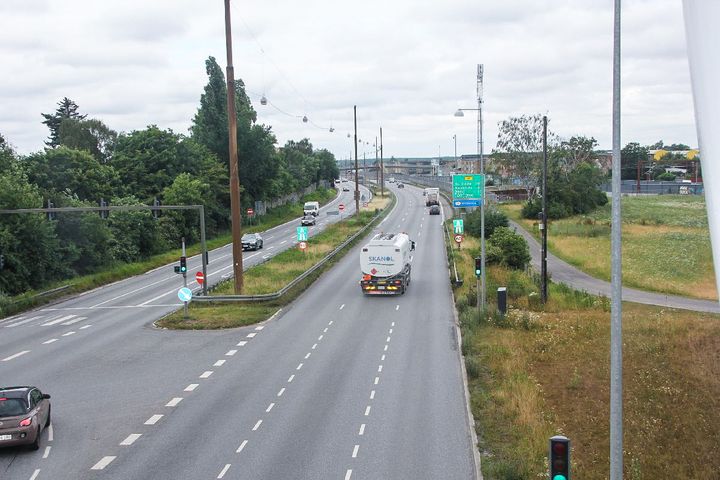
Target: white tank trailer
[[385, 264]]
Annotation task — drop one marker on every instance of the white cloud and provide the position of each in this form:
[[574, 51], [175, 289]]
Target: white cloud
[[406, 64]]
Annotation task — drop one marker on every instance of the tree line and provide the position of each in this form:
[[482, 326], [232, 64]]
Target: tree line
[[86, 162]]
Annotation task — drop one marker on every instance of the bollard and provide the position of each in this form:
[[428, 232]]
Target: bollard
[[502, 300]]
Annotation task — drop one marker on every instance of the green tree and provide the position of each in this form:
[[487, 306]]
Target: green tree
[[90, 135], [63, 169], [135, 234], [328, 165], [85, 238], [573, 152], [514, 248], [185, 190], [66, 109], [210, 123], [7, 155], [630, 156], [494, 218]]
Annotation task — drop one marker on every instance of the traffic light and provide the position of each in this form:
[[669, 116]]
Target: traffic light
[[2, 262], [559, 458], [183, 264], [478, 266]]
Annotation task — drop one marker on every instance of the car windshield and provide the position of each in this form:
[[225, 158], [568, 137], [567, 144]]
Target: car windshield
[[248, 238], [11, 407]]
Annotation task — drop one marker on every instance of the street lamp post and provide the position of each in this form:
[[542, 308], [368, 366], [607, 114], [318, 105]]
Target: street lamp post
[[455, 157]]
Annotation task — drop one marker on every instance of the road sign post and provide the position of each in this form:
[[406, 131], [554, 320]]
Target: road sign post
[[458, 240], [302, 246], [458, 227], [341, 208], [185, 295], [302, 234]]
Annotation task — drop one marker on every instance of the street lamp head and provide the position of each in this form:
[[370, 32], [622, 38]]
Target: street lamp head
[[263, 100], [459, 113], [332, 129], [305, 119]]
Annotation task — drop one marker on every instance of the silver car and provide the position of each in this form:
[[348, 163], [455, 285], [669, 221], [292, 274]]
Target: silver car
[[24, 414]]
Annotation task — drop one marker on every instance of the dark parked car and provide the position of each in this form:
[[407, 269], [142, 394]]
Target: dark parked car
[[251, 241], [308, 220], [435, 210], [401, 185], [24, 414]]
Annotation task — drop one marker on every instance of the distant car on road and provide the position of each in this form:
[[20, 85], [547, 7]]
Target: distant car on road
[[24, 414], [400, 185], [308, 220], [435, 210], [251, 241], [346, 188]]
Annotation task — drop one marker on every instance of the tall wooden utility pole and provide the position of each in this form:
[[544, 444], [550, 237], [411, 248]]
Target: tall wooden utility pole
[[234, 176]]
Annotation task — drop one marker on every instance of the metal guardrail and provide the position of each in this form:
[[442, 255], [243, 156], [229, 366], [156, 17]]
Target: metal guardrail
[[275, 296], [45, 293]]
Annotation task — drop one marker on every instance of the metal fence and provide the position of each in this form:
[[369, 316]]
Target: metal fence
[[653, 187]]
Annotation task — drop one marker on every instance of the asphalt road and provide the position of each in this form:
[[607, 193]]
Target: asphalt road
[[336, 386], [562, 272]]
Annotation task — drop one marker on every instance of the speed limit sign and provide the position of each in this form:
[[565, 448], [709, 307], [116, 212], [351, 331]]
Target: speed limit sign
[[302, 245], [458, 238]]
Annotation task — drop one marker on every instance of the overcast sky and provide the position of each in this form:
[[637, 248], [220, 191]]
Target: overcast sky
[[406, 64]]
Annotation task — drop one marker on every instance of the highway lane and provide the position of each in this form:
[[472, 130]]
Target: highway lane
[[101, 363], [338, 386]]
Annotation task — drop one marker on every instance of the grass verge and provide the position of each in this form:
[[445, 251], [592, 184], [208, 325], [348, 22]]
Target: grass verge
[[666, 244], [274, 217], [273, 275], [538, 372]]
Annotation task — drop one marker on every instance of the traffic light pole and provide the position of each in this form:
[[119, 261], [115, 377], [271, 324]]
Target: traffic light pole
[[184, 274]]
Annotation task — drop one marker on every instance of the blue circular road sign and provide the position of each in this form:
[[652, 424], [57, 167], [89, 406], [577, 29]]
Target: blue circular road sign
[[185, 294]]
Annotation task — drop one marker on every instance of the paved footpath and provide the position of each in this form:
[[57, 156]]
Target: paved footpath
[[562, 272]]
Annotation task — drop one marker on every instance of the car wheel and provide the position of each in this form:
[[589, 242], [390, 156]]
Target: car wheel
[[47, 422], [36, 444]]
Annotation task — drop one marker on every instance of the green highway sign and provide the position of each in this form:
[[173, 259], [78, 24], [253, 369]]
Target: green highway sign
[[302, 234], [458, 226], [467, 190]]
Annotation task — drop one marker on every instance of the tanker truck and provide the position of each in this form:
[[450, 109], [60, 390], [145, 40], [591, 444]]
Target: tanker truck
[[432, 196], [385, 264]]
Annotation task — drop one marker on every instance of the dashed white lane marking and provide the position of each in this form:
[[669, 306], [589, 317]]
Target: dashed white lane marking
[[257, 425], [75, 320], [50, 433], [372, 395], [242, 344], [388, 339], [379, 368], [191, 387], [219, 363], [47, 451], [283, 242], [270, 407], [392, 324], [325, 330], [330, 322], [348, 474], [397, 307], [314, 346], [68, 334], [355, 451], [230, 353], [342, 306], [23, 322], [307, 356], [320, 337], [291, 378], [35, 473], [377, 380], [259, 327], [12, 357], [104, 462], [362, 429], [242, 445], [299, 366], [153, 420], [131, 439], [282, 390], [52, 340], [174, 402], [85, 326], [224, 471], [367, 410], [386, 347], [251, 335], [206, 374]]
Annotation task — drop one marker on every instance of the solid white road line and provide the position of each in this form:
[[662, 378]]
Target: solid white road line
[[104, 462], [131, 439], [52, 340], [241, 344], [362, 429], [257, 425], [191, 387], [242, 445], [224, 471], [282, 390], [153, 420], [206, 374], [219, 363], [174, 402], [270, 407], [35, 473], [47, 451], [355, 451], [11, 357], [128, 293]]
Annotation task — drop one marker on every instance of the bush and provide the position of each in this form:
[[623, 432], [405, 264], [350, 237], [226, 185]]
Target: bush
[[515, 250], [493, 218], [666, 177]]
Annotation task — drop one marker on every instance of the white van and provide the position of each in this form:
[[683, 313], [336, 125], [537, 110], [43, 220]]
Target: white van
[[311, 208]]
